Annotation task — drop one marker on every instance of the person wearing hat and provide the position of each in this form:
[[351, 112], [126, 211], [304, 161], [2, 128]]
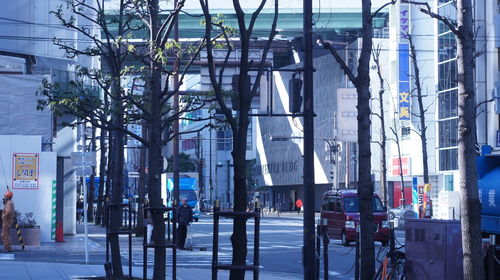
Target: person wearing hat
[[185, 216], [7, 220]]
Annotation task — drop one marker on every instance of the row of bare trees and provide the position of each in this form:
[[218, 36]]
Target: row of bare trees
[[463, 29], [163, 60], [151, 101]]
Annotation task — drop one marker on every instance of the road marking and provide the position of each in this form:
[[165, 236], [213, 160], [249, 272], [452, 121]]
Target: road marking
[[7, 257]]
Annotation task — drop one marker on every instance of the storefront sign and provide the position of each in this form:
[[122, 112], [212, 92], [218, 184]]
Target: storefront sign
[[25, 171], [404, 21], [404, 66], [396, 167]]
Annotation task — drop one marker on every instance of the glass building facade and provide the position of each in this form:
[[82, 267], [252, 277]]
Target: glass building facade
[[447, 90]]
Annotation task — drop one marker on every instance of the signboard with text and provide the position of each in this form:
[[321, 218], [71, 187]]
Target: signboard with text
[[404, 66], [25, 170], [396, 167]]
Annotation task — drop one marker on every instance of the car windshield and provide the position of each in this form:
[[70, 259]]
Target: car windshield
[[351, 204]]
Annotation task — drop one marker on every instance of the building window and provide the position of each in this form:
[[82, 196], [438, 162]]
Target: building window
[[188, 144], [448, 107], [447, 90], [447, 46], [448, 133], [448, 159], [224, 140], [249, 135], [447, 75], [448, 182]]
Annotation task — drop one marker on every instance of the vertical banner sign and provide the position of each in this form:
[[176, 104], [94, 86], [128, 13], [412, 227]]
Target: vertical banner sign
[[25, 171], [404, 63], [420, 201], [53, 221], [414, 191]]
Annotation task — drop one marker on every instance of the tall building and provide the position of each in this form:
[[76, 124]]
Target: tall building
[[26, 44]]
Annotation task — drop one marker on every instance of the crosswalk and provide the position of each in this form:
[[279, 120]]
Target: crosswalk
[[7, 257], [201, 259]]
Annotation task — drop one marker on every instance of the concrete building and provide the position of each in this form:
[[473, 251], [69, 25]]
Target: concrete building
[[26, 44]]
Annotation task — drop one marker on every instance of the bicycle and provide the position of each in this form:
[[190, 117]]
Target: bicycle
[[392, 271]]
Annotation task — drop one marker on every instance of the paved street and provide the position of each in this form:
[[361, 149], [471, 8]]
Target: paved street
[[280, 250]]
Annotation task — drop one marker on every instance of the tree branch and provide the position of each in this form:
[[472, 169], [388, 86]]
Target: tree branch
[[328, 45]]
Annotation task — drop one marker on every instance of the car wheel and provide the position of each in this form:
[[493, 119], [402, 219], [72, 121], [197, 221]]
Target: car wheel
[[343, 239], [196, 219]]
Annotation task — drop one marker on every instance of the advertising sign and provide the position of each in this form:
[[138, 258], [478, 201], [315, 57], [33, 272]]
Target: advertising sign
[[25, 171], [404, 66], [396, 168], [420, 201], [415, 194]]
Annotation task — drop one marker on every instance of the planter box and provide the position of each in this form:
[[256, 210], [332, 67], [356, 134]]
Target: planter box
[[31, 236]]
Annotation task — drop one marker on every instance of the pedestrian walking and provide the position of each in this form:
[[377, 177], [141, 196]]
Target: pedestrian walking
[[184, 217], [149, 222], [79, 209], [8, 216], [298, 203]]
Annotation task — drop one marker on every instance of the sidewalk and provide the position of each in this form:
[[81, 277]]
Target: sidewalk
[[59, 261], [21, 270]]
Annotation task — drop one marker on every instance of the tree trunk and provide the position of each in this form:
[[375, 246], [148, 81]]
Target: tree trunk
[[423, 126], [155, 160], [102, 172], [141, 190], [365, 184], [117, 180], [383, 135], [239, 239], [109, 177], [90, 195], [470, 209], [401, 176]]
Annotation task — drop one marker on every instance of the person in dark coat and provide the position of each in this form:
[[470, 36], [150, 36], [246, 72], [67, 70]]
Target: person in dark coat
[[184, 217]]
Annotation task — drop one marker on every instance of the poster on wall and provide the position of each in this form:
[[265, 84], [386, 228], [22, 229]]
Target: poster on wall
[[25, 170]]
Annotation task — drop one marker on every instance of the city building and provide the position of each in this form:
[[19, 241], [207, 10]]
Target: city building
[[27, 57]]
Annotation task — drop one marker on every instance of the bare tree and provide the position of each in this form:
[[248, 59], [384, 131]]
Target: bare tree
[[365, 185], [244, 95], [102, 172], [126, 106], [421, 110], [383, 135], [397, 139], [463, 29]]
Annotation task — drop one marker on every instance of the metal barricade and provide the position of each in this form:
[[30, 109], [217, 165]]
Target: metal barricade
[[127, 229], [216, 266], [169, 243]]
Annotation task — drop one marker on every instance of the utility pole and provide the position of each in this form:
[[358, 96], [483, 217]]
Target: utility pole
[[228, 193], [309, 255], [347, 163], [210, 182], [84, 190], [175, 128]]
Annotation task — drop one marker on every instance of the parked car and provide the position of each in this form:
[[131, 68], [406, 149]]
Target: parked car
[[341, 210]]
